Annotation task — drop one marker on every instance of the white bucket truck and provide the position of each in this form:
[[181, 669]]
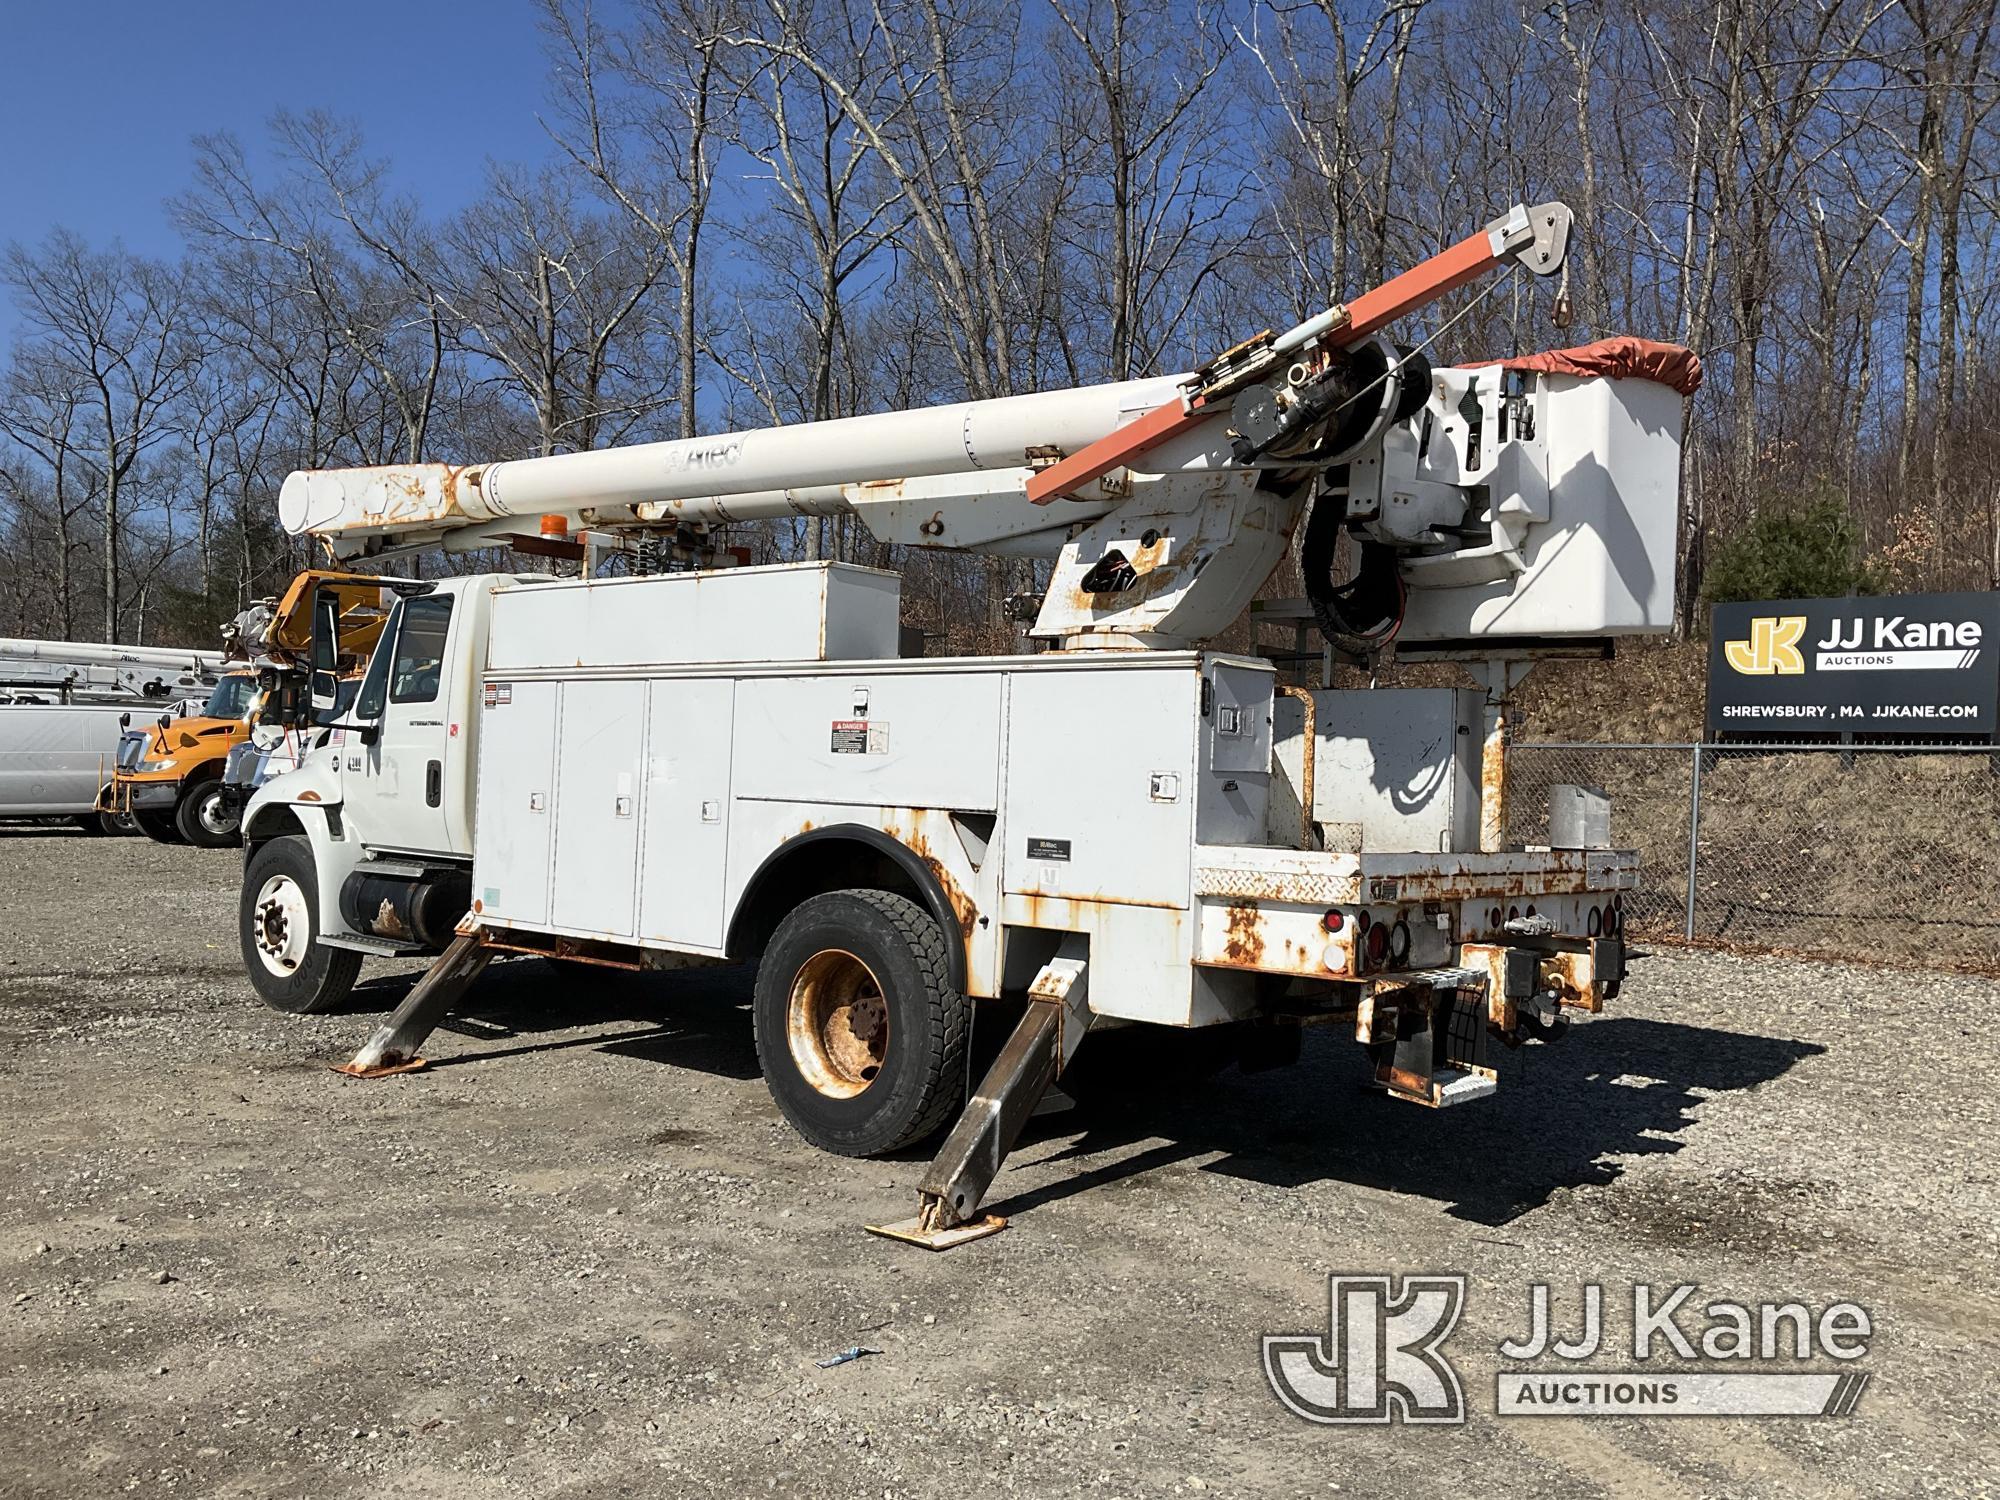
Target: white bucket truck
[[734, 765]]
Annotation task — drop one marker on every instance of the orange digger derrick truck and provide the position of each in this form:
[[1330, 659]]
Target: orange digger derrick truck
[[1129, 827], [172, 774]]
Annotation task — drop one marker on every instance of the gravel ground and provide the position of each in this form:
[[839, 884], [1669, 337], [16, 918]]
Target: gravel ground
[[584, 1256]]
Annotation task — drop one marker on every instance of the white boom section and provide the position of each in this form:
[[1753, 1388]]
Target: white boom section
[[1166, 502], [735, 476], [90, 669]]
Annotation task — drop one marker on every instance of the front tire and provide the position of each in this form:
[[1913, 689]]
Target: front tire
[[859, 1032], [204, 817], [278, 923]]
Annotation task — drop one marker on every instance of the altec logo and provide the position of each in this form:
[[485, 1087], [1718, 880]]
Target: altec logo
[[1773, 647]]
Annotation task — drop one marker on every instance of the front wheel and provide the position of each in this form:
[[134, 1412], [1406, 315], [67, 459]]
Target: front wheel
[[859, 1032], [206, 818], [288, 966]]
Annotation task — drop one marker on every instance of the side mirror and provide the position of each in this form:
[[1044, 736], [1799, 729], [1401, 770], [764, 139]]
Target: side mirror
[[323, 685]]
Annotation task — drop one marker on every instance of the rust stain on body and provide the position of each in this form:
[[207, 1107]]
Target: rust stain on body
[[1243, 941]]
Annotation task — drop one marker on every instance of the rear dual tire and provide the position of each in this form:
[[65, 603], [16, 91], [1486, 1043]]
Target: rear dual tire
[[860, 1032]]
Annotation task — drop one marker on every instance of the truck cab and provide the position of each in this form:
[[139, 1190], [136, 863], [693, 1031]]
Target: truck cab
[[365, 849], [169, 773]]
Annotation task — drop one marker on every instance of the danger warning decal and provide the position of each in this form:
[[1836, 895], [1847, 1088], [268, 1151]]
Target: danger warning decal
[[860, 737]]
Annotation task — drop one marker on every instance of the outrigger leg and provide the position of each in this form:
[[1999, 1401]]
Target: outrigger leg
[[1041, 1045], [393, 1047]]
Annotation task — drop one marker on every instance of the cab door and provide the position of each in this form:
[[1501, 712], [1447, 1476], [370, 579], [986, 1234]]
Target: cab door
[[394, 777]]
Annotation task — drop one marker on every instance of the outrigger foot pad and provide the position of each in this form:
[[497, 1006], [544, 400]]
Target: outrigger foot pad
[[915, 1232], [380, 1070]]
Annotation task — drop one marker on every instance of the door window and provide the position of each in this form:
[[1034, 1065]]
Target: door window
[[418, 668]]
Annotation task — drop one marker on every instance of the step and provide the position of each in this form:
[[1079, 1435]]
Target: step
[[404, 869], [379, 947]]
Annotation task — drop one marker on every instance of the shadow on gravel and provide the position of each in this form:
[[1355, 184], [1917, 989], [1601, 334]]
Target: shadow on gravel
[[693, 1018], [1616, 1086], [1613, 1087]]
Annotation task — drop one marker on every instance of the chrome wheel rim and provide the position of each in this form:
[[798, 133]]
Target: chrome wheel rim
[[282, 923], [213, 813]]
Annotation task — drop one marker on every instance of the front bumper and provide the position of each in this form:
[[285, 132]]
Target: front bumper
[[123, 794]]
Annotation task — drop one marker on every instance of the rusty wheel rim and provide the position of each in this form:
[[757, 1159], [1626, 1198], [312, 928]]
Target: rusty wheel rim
[[837, 1024]]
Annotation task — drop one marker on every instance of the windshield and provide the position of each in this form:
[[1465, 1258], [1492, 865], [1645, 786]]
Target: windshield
[[231, 698]]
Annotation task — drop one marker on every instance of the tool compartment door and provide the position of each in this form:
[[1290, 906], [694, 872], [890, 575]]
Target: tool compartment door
[[601, 740], [1100, 785], [688, 743], [516, 789]]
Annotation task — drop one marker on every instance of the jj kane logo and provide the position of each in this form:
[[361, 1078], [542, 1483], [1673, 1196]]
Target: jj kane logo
[[1773, 647], [1381, 1359], [1855, 644]]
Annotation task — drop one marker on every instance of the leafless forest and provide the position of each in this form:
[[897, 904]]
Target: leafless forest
[[775, 210]]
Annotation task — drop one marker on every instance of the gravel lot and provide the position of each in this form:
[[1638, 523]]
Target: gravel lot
[[584, 1256]]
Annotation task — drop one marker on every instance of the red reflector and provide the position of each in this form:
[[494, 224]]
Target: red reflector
[[1493, 918], [1378, 944], [1333, 921]]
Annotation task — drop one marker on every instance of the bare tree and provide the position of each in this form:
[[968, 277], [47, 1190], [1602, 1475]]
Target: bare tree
[[110, 325]]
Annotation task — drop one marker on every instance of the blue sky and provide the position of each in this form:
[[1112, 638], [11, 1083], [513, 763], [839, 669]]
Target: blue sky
[[99, 98]]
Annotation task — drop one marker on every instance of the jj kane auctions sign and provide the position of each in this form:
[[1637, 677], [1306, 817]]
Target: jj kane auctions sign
[[1905, 664]]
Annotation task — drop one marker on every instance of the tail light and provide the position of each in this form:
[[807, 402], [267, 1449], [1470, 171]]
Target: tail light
[[1333, 921], [1378, 943], [1399, 942], [1594, 923]]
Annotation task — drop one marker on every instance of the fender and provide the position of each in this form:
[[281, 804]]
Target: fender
[[906, 859], [303, 796]]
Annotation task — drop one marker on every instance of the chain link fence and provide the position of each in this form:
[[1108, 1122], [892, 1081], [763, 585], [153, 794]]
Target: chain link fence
[[1876, 853]]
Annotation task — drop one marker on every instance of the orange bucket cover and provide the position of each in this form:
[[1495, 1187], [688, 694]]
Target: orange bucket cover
[[1623, 357]]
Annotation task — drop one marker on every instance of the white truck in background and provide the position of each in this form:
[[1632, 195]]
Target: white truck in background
[[55, 757], [734, 765], [60, 719], [54, 672]]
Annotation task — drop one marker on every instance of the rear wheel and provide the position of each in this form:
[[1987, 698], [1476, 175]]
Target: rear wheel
[[161, 827], [205, 817], [278, 922], [859, 1032]]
